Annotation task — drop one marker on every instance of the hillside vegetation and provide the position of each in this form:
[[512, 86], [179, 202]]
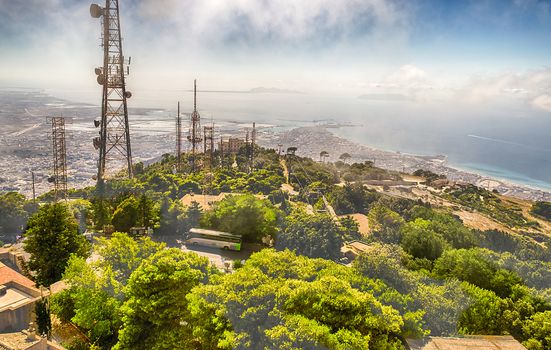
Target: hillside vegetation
[[422, 271]]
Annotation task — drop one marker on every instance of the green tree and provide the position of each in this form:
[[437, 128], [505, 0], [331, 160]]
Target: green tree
[[385, 224], [421, 241], [155, 309], [51, 238], [14, 212], [43, 319], [537, 331], [97, 289], [101, 212], [126, 215], [246, 215], [470, 265], [315, 236], [278, 300]]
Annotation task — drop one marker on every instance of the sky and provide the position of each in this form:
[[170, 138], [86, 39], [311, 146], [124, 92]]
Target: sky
[[480, 52]]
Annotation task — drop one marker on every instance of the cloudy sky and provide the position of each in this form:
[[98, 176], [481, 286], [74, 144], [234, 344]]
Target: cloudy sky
[[466, 51]]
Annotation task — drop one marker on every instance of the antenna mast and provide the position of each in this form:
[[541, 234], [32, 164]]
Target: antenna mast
[[195, 130], [114, 140], [178, 141], [60, 159]]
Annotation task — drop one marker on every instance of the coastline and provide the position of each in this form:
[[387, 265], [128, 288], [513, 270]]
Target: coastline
[[311, 140]]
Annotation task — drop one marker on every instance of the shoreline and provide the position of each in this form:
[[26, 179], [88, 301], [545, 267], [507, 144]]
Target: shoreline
[[311, 140]]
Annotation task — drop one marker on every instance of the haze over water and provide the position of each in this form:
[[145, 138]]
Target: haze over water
[[507, 142]]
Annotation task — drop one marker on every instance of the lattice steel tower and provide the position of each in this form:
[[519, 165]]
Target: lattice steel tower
[[178, 141], [59, 178], [114, 140], [195, 130], [208, 149]]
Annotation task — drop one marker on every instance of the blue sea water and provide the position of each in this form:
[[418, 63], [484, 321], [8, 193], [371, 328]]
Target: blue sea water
[[507, 140]]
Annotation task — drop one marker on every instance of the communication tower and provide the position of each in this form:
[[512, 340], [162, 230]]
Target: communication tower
[[195, 130], [253, 142], [208, 137], [114, 140], [59, 150], [178, 141]]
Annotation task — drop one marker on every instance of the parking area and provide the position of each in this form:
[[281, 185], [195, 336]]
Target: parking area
[[223, 259]]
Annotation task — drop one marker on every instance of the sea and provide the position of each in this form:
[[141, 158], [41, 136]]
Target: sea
[[506, 140]]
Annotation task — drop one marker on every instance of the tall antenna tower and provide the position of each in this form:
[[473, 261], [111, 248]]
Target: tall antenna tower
[[59, 177], [195, 129], [114, 140], [178, 141], [253, 142], [208, 137]]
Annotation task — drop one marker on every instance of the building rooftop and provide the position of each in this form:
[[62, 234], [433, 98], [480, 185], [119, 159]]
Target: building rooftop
[[9, 275], [22, 341], [480, 342], [13, 298]]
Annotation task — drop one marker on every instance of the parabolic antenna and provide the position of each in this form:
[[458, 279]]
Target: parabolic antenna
[[101, 79], [127, 94], [96, 11]]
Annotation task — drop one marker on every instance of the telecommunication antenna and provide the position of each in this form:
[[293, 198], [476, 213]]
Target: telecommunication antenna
[[59, 151], [178, 141], [114, 140], [253, 142], [195, 130], [208, 137]]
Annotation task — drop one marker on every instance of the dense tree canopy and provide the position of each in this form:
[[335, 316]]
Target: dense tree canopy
[[154, 313], [51, 238], [14, 212], [284, 301], [245, 215], [97, 289], [316, 236]]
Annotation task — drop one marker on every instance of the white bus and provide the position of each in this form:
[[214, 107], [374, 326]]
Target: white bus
[[211, 238]]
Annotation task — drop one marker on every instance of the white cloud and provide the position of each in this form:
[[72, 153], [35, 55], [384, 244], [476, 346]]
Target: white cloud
[[287, 20], [529, 86], [542, 102]]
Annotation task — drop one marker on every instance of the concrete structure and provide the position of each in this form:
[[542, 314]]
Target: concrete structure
[[478, 342], [17, 299], [231, 146], [26, 340], [355, 248]]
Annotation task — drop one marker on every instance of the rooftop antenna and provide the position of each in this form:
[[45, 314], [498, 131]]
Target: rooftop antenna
[[195, 129], [114, 140]]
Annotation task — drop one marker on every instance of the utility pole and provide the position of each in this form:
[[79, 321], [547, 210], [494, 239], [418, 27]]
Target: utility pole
[[114, 140], [34, 191]]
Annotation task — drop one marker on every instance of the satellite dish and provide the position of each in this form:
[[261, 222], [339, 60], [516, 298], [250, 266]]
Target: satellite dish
[[96, 123], [96, 11], [97, 71], [96, 143], [127, 94], [101, 79]]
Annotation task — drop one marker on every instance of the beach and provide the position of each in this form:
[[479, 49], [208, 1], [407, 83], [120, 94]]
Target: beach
[[310, 141]]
